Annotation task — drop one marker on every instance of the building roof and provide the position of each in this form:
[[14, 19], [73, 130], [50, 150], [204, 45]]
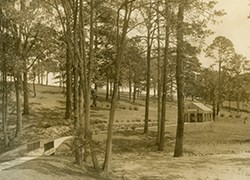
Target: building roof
[[202, 106]]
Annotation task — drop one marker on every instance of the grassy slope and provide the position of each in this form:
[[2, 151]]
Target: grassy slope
[[202, 141]]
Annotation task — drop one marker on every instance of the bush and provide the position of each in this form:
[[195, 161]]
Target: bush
[[103, 121], [222, 115], [107, 105], [138, 120], [230, 115], [96, 121], [237, 116], [136, 108], [130, 108], [123, 107], [133, 127], [101, 127], [245, 120], [154, 124]]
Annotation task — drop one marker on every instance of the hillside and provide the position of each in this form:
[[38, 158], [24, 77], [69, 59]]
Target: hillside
[[212, 150]]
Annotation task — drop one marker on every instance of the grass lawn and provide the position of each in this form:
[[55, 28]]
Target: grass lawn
[[135, 155]]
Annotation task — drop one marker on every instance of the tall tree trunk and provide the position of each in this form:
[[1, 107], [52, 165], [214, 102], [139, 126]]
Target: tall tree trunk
[[42, 76], [75, 10], [76, 96], [219, 87], [34, 83], [119, 91], [38, 77], [24, 63], [171, 89], [159, 84], [25, 94], [47, 78], [238, 94], [82, 83], [88, 78], [5, 104], [4, 108], [19, 123], [34, 89], [107, 87], [111, 87], [68, 112], [130, 82], [90, 71], [147, 92], [120, 52], [164, 90], [180, 82], [62, 82], [134, 93], [149, 45], [214, 105]]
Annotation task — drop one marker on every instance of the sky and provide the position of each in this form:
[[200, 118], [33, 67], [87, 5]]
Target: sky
[[235, 25]]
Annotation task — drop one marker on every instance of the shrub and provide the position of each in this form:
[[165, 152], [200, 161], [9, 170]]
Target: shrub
[[133, 127], [123, 107], [96, 121], [237, 116], [138, 120], [103, 121], [101, 127], [222, 115], [130, 108], [245, 120], [230, 115], [107, 105], [136, 108], [154, 124]]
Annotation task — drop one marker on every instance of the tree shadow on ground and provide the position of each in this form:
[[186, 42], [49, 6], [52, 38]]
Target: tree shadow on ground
[[40, 119], [42, 115], [34, 103], [126, 100], [241, 161], [51, 92], [55, 166], [241, 140], [135, 141], [61, 102]]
